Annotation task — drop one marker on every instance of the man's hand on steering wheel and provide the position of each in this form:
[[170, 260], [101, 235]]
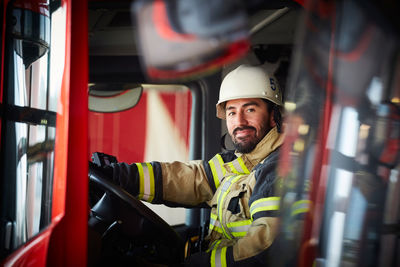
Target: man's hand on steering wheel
[[102, 162], [132, 217], [107, 170]]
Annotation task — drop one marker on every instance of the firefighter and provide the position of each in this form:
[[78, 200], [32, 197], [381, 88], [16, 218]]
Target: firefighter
[[239, 186]]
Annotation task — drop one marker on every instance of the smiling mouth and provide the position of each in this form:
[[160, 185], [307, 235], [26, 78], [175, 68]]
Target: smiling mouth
[[243, 132]]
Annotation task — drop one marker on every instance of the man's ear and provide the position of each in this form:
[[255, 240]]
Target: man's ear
[[271, 119]]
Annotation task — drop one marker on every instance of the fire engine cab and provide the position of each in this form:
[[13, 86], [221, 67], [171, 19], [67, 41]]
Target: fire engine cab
[[94, 81]]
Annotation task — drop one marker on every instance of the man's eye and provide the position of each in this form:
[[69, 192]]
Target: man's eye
[[250, 110], [231, 113]]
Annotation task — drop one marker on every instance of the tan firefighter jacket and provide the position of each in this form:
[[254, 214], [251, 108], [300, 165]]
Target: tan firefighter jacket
[[239, 188]]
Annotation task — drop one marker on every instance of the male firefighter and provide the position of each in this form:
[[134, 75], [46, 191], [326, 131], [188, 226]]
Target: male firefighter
[[239, 185]]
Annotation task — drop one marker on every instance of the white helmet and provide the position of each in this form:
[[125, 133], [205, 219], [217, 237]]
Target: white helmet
[[248, 82]]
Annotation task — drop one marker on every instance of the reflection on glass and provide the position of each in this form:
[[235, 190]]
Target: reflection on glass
[[354, 221], [38, 82], [29, 119], [20, 92], [33, 196], [57, 56], [21, 160], [334, 246], [348, 132], [348, 98]]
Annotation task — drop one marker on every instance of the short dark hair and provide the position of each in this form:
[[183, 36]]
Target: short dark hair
[[277, 114]]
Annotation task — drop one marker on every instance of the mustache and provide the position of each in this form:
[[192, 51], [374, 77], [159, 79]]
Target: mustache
[[243, 128]]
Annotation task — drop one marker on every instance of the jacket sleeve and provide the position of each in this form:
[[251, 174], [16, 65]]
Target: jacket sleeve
[[174, 184], [186, 183]]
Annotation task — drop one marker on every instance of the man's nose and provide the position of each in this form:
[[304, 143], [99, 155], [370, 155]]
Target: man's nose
[[241, 119]]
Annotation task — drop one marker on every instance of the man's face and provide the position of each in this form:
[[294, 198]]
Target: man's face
[[248, 121]]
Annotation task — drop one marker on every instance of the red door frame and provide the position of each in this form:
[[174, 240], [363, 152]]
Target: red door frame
[[64, 242], [68, 244]]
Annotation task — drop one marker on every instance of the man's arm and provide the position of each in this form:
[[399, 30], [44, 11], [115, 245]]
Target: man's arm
[[167, 183]]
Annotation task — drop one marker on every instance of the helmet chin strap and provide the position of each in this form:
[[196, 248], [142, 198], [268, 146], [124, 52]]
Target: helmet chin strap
[[223, 141], [223, 145], [278, 118]]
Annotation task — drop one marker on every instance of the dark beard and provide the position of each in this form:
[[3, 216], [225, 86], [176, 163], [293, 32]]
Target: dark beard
[[245, 147]]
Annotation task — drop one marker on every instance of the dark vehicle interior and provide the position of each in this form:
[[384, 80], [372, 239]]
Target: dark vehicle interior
[[121, 229]]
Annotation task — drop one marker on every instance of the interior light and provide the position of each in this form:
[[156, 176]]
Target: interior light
[[303, 129], [395, 100], [290, 106]]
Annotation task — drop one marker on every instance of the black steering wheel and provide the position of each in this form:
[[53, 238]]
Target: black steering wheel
[[134, 220]]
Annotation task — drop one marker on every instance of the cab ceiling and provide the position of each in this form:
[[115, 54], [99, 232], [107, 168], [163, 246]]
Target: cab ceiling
[[111, 31]]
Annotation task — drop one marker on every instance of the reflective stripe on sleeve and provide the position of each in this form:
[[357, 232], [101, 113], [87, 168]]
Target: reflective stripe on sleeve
[[217, 169], [146, 186], [264, 204], [301, 206], [239, 228], [218, 257]]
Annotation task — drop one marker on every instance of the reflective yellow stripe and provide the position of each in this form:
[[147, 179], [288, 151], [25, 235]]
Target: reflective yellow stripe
[[151, 182], [266, 208], [240, 228], [237, 166], [217, 169], [216, 229], [239, 223], [230, 164], [264, 204], [241, 163], [141, 180], [301, 206], [218, 257], [215, 225], [264, 200], [223, 257], [214, 173], [146, 184], [240, 234], [212, 258], [221, 163], [226, 185], [222, 194]]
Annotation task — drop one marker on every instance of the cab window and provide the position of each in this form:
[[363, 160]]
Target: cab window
[[28, 120], [156, 129]]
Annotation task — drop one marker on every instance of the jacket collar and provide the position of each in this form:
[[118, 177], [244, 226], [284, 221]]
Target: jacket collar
[[271, 141]]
